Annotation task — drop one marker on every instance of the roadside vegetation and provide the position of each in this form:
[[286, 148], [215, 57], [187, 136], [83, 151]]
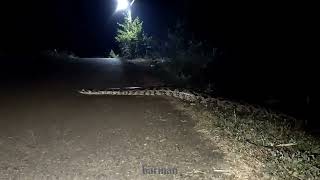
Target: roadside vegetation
[[258, 142], [60, 54]]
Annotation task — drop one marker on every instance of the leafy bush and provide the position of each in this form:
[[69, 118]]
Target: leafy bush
[[188, 57], [132, 40], [60, 54], [112, 54]]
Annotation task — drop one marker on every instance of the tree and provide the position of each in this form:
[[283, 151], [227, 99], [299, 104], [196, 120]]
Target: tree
[[132, 40]]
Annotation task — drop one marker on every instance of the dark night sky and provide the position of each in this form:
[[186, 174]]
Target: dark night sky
[[87, 27], [260, 38]]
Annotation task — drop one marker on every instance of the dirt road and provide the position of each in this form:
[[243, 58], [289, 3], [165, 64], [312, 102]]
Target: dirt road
[[49, 131]]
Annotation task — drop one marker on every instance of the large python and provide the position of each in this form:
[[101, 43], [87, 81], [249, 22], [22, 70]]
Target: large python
[[190, 96]]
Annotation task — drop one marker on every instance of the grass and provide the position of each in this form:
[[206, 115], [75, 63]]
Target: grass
[[258, 144]]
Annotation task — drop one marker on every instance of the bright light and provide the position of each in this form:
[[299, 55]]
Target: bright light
[[123, 5]]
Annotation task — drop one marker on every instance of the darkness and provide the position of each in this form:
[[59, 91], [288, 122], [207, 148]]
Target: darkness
[[88, 27], [267, 46], [85, 27]]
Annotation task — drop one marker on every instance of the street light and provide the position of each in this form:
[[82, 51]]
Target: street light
[[125, 5]]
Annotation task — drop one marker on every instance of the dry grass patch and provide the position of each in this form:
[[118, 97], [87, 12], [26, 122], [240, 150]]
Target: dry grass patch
[[258, 144]]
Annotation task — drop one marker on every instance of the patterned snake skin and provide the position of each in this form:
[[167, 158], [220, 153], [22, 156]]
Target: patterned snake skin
[[137, 91], [189, 96]]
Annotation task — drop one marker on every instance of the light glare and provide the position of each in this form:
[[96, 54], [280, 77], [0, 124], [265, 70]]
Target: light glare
[[122, 5]]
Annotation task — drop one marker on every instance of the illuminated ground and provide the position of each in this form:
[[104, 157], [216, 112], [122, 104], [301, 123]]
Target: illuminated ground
[[48, 130]]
